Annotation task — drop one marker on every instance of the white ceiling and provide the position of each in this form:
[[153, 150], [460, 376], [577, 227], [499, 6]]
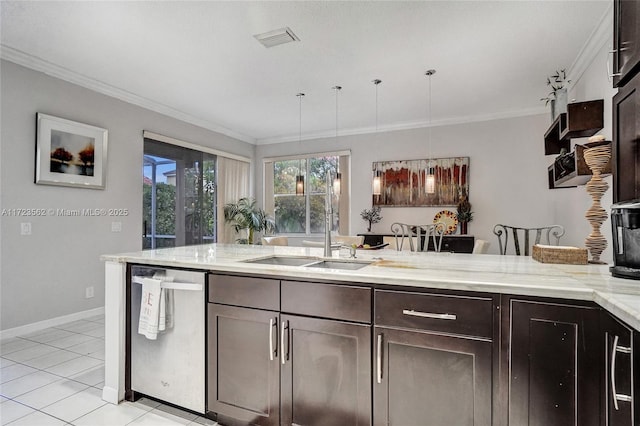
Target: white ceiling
[[198, 61]]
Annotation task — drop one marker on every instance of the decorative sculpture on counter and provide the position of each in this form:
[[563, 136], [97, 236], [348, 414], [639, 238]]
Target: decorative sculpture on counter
[[596, 158]]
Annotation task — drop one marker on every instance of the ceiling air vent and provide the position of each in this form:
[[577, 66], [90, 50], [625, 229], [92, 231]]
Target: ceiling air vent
[[276, 37]]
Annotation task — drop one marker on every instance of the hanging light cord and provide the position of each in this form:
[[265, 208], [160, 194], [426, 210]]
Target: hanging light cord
[[337, 89], [376, 82], [300, 95], [429, 73]]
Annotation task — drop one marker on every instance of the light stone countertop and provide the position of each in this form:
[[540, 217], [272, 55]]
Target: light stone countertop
[[515, 275]]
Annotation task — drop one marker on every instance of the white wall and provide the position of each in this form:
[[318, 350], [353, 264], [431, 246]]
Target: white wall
[[44, 275], [508, 171], [574, 202]]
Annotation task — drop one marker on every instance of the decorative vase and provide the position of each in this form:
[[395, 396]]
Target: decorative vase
[[463, 228], [561, 101], [596, 158]]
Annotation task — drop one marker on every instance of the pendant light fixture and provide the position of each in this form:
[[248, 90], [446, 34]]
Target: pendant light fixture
[[300, 176], [376, 185], [338, 179], [430, 179]]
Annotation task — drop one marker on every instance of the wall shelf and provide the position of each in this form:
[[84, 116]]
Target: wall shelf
[[582, 119], [570, 170]]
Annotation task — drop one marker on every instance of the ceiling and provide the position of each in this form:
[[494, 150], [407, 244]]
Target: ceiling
[[199, 61]]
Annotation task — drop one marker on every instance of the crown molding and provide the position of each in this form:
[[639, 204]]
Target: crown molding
[[407, 126], [38, 64], [601, 34]]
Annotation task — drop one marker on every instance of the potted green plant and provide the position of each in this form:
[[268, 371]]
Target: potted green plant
[[245, 214], [558, 95], [371, 215], [464, 213]]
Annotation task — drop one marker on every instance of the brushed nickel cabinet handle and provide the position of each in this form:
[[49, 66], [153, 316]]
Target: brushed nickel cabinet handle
[[614, 351], [413, 313], [282, 355], [271, 349], [379, 359], [611, 74]]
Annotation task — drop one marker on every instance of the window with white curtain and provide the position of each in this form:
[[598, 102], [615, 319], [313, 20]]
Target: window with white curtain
[[304, 214]]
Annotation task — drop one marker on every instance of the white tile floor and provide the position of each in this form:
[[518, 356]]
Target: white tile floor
[[55, 377]]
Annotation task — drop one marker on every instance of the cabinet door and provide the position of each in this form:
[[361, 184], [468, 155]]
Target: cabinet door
[[428, 379], [326, 372], [555, 365], [618, 373], [626, 144], [243, 364], [626, 39]]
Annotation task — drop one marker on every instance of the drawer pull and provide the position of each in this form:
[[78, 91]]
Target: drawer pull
[[273, 323], [614, 351], [413, 313], [379, 360]]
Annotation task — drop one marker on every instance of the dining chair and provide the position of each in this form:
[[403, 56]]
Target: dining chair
[[391, 244], [523, 234], [418, 235], [480, 247], [275, 241]]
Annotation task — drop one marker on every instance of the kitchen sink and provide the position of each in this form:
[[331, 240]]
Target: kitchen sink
[[311, 262], [350, 265], [283, 260]]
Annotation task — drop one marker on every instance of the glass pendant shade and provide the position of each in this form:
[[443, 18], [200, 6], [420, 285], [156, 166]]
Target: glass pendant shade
[[377, 183], [430, 182], [299, 185], [337, 181]]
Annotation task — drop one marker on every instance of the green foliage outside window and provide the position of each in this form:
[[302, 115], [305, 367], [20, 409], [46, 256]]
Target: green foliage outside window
[[290, 209], [166, 213]]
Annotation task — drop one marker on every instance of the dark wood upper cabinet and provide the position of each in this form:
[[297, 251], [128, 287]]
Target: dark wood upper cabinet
[[626, 41], [626, 142], [555, 364]]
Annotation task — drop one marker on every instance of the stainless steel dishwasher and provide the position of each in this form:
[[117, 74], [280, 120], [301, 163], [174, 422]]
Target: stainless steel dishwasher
[[171, 367]]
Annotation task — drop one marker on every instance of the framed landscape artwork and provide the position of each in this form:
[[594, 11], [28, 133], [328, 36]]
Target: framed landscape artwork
[[403, 182], [70, 153]]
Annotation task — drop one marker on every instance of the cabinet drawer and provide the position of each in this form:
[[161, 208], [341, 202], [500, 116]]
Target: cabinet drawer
[[259, 293], [327, 301], [471, 316]]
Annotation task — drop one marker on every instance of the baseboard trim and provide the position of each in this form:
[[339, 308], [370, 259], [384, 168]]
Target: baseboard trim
[[110, 394], [52, 322]]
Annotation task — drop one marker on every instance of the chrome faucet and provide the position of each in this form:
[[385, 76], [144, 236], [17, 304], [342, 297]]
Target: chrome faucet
[[328, 217]]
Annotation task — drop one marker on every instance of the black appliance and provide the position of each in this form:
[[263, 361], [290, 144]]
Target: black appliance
[[625, 220]]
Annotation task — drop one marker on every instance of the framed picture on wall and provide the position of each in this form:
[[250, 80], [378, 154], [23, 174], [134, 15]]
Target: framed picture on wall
[[70, 153], [405, 183]]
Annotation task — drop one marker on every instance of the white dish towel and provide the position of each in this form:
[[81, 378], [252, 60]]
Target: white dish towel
[[156, 307]]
